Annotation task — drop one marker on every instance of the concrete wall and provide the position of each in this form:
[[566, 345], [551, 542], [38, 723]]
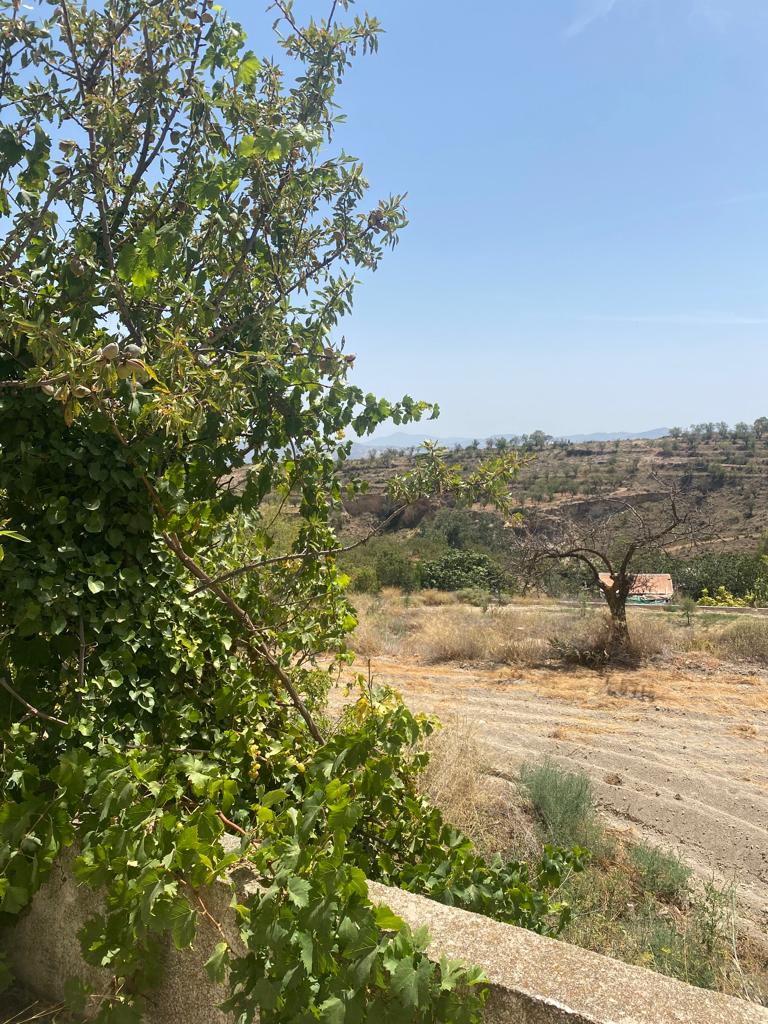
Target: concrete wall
[[534, 980]]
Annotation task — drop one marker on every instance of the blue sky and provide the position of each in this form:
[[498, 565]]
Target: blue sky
[[588, 194]]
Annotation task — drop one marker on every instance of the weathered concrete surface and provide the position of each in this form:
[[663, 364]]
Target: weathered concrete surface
[[534, 980], [44, 952]]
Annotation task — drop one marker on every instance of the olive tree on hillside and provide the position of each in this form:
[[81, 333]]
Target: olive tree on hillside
[[180, 238], [608, 538]]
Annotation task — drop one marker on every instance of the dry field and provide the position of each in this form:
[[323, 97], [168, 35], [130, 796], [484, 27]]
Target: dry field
[[676, 747]]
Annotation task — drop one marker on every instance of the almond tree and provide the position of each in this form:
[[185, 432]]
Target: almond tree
[[180, 238], [608, 538]]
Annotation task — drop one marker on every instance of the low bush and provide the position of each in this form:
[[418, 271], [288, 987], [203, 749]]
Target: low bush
[[475, 596], [660, 873], [723, 598], [591, 644], [459, 570], [395, 569], [365, 581], [746, 639], [565, 805], [587, 644]]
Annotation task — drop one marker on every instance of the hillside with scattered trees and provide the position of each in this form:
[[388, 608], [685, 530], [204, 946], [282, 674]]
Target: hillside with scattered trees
[[721, 470]]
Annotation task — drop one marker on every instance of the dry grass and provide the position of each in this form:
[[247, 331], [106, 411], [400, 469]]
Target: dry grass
[[384, 625], [19, 1008], [438, 631], [745, 639], [435, 598], [433, 629], [591, 643], [502, 636], [490, 810], [456, 634]]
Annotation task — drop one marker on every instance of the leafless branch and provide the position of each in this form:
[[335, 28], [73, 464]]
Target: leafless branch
[[31, 709]]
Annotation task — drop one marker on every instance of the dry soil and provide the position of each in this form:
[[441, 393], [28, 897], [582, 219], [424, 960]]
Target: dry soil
[[677, 755]]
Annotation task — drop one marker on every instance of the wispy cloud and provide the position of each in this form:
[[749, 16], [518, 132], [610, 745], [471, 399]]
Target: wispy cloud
[[712, 14], [744, 197], [592, 11], [683, 320]]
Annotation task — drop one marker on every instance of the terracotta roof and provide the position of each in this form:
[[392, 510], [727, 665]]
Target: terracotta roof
[[647, 583]]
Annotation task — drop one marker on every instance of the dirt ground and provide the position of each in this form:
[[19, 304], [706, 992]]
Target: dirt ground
[[678, 754]]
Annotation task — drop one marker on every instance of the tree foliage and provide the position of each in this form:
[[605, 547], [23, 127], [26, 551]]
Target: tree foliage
[[180, 242], [608, 543]]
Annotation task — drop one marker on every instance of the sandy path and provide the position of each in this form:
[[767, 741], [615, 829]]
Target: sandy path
[[677, 754]]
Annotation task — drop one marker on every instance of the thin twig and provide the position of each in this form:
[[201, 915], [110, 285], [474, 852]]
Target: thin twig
[[35, 712], [256, 648], [230, 824], [81, 659], [298, 556]]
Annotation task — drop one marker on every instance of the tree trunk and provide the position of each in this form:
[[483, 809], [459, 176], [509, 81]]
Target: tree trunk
[[616, 599], [619, 627]]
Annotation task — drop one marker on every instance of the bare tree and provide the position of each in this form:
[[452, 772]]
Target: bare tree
[[609, 538]]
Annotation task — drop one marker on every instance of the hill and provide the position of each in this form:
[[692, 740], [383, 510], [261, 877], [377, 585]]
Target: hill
[[401, 440], [727, 467]]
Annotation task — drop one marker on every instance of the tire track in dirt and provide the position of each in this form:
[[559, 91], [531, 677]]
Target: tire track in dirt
[[677, 758]]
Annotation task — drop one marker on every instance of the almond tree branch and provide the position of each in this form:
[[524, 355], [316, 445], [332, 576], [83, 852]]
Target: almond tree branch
[[256, 648], [300, 556], [35, 712]]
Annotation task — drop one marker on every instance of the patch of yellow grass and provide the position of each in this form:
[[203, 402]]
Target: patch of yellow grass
[[490, 810]]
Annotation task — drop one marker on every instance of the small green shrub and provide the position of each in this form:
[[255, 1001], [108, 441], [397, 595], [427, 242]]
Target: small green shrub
[[460, 570], [395, 569], [365, 581], [688, 607], [475, 596], [565, 805], [724, 598], [661, 873], [699, 952]]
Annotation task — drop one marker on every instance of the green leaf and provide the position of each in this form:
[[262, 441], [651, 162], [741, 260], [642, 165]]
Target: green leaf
[[143, 274], [123, 1013], [11, 150], [248, 69], [387, 920], [332, 1011], [216, 964], [95, 586], [12, 535], [188, 840], [405, 984], [15, 897], [182, 919], [304, 941], [412, 985], [298, 891]]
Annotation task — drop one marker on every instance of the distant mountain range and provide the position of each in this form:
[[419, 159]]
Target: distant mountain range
[[402, 440]]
